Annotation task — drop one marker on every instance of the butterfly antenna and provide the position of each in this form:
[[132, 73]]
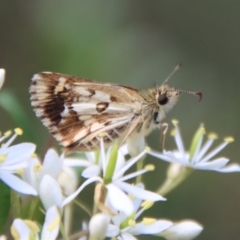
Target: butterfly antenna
[[198, 94], [176, 68]]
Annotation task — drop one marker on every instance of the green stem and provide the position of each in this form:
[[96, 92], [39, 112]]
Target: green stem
[[62, 230], [33, 206], [15, 204], [171, 183], [83, 207], [67, 220], [139, 167]]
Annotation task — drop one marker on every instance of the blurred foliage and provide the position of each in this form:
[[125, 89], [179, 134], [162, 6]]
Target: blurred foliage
[[17, 113], [4, 203], [137, 43]]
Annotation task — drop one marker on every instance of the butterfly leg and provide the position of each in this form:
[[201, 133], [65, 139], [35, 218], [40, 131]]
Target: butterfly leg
[[164, 129]]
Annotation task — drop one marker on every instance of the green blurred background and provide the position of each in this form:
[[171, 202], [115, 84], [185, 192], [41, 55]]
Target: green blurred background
[[137, 43]]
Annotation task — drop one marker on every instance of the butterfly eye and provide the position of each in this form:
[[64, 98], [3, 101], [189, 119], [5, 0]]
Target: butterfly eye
[[162, 99]]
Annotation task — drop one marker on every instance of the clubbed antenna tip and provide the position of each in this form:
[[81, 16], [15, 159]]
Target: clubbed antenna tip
[[177, 66], [199, 94]]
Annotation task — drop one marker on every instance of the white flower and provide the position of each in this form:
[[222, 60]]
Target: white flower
[[26, 229], [92, 166], [184, 230], [68, 180], [113, 166], [125, 226], [51, 224], [197, 156], [52, 166], [2, 77], [49, 179], [98, 226], [50, 192], [13, 159], [135, 144]]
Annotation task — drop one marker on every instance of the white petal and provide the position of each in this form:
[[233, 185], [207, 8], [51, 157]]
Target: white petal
[[161, 156], [204, 149], [184, 230], [21, 228], [139, 193], [137, 201], [73, 162], [136, 144], [51, 224], [119, 218], [212, 165], [68, 180], [127, 236], [119, 200], [98, 226], [30, 175], [179, 141], [17, 184], [91, 171], [154, 228], [50, 192], [214, 152], [13, 168], [18, 153], [124, 149], [130, 162], [112, 231], [234, 167], [72, 196], [176, 156], [90, 156], [52, 164], [2, 76], [133, 175]]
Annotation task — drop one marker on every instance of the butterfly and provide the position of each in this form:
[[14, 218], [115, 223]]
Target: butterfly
[[78, 112]]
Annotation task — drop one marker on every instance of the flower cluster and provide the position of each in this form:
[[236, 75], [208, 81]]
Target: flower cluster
[[120, 197]]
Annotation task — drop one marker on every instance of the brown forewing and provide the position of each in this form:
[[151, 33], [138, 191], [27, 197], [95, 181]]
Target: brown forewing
[[77, 110]]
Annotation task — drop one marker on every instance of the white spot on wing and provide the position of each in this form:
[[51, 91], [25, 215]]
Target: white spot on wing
[[85, 108], [116, 107], [60, 85], [84, 117], [58, 136], [46, 122], [89, 121], [65, 112], [101, 96], [82, 91], [36, 77]]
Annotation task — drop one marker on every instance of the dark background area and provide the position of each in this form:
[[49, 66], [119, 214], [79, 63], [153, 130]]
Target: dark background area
[[137, 43]]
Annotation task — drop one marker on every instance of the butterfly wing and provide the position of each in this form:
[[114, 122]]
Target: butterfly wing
[[77, 111]]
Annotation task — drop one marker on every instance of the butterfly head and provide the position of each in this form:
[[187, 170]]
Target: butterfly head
[[167, 97]]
